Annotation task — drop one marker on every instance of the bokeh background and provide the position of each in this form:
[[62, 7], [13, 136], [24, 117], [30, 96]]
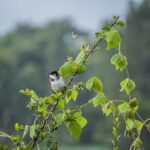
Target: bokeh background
[[35, 38]]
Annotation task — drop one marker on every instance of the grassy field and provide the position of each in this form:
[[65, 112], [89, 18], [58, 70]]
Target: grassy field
[[83, 148]]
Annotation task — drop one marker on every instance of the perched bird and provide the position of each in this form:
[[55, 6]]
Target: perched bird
[[56, 81]]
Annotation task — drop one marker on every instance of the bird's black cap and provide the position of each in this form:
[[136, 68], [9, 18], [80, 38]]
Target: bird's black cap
[[54, 73]]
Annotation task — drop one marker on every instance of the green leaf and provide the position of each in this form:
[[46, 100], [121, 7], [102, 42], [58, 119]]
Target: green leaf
[[100, 99], [134, 104], [78, 86], [80, 57], [68, 96], [128, 85], [18, 127], [15, 139], [123, 108], [137, 144], [59, 117], [81, 68], [61, 104], [75, 130], [138, 125], [115, 17], [129, 124], [134, 124], [113, 38], [32, 131], [119, 61], [97, 34], [67, 69], [74, 94], [114, 132], [71, 94], [30, 93], [49, 100], [25, 131], [108, 108], [113, 142], [129, 115], [107, 27], [26, 92], [32, 104], [95, 84], [120, 23], [54, 146], [80, 119], [42, 108]]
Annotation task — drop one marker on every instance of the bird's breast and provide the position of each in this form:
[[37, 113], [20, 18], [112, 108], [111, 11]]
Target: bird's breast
[[57, 84]]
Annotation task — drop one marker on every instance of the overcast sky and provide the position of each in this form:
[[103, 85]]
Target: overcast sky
[[87, 14]]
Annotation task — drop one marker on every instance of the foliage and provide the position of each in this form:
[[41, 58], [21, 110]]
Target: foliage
[[53, 111]]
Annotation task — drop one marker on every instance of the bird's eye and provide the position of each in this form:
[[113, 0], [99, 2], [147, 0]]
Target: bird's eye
[[52, 79]]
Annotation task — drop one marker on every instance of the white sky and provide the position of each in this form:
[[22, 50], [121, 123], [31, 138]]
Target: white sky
[[87, 14]]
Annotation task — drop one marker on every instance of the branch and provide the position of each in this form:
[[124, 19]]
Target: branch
[[87, 56], [34, 141]]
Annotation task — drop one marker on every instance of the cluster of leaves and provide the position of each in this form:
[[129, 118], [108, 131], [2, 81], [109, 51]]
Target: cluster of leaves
[[53, 111]]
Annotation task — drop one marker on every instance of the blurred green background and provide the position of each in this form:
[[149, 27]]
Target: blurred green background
[[28, 53]]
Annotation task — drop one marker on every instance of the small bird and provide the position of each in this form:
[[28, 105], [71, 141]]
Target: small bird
[[56, 81]]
